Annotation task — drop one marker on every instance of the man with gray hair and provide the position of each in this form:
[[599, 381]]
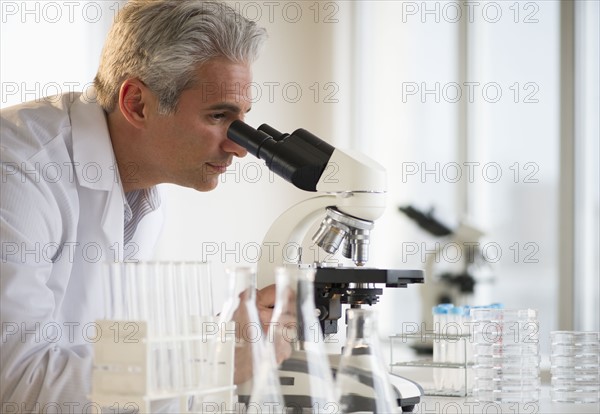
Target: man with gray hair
[[173, 76]]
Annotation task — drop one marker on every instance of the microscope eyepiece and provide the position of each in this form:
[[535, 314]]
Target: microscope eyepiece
[[248, 137], [269, 130], [299, 158]]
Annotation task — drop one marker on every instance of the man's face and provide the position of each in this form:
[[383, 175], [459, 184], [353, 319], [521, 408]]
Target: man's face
[[191, 145]]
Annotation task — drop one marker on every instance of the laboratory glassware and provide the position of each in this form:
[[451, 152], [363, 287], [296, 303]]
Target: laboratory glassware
[[255, 367], [158, 313], [575, 366], [296, 331], [506, 355], [362, 381]]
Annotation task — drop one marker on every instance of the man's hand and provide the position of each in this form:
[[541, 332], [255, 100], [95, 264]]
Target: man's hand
[[265, 303], [282, 331]]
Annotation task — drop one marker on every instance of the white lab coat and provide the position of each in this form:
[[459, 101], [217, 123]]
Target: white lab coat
[[61, 217]]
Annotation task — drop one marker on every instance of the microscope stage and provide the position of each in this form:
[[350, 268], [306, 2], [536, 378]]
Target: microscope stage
[[389, 277]]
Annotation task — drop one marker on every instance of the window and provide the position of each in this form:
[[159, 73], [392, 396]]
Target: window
[[462, 104]]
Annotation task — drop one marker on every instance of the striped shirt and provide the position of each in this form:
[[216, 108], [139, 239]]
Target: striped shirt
[[137, 204]]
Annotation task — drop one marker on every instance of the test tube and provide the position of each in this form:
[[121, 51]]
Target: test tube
[[182, 286], [142, 289], [130, 275], [170, 305], [117, 291], [470, 347], [156, 299], [440, 318], [456, 349]]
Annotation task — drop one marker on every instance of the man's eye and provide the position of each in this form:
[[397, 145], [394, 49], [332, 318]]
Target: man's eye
[[218, 116]]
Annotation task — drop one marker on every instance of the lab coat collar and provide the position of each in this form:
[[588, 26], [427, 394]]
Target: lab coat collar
[[93, 155], [95, 163]]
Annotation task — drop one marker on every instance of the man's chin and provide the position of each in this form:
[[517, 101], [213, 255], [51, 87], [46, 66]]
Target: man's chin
[[207, 184]]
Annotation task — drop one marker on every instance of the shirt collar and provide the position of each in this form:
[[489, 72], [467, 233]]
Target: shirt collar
[[140, 202]]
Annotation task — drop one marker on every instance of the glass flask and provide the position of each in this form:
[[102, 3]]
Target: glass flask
[[255, 370], [362, 380], [306, 378]]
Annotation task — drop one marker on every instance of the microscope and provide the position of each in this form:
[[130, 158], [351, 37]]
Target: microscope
[[351, 195], [452, 276]]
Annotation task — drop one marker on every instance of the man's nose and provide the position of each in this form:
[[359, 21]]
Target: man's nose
[[233, 148]]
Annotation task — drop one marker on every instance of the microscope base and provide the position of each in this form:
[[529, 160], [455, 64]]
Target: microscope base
[[296, 387], [408, 392]]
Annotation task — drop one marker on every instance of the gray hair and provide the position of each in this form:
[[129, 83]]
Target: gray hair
[[162, 42]]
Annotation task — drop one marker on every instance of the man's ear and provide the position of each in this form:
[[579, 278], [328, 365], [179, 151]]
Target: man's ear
[[134, 102]]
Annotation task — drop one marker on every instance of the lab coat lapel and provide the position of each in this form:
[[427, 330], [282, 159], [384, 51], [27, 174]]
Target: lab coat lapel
[[96, 167]]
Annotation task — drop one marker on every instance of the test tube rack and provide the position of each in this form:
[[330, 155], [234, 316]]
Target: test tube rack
[[465, 367], [133, 369]]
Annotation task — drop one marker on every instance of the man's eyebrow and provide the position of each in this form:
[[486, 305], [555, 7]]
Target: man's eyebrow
[[227, 106]]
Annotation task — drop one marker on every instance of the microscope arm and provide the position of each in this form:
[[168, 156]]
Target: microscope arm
[[287, 234]]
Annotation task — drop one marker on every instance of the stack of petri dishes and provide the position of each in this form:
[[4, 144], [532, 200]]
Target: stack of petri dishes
[[575, 367], [506, 355]]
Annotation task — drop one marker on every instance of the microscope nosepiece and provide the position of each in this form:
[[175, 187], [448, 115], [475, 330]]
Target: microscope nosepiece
[[359, 242], [330, 235], [338, 227]]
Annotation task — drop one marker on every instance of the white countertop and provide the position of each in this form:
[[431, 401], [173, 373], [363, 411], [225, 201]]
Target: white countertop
[[430, 404]]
